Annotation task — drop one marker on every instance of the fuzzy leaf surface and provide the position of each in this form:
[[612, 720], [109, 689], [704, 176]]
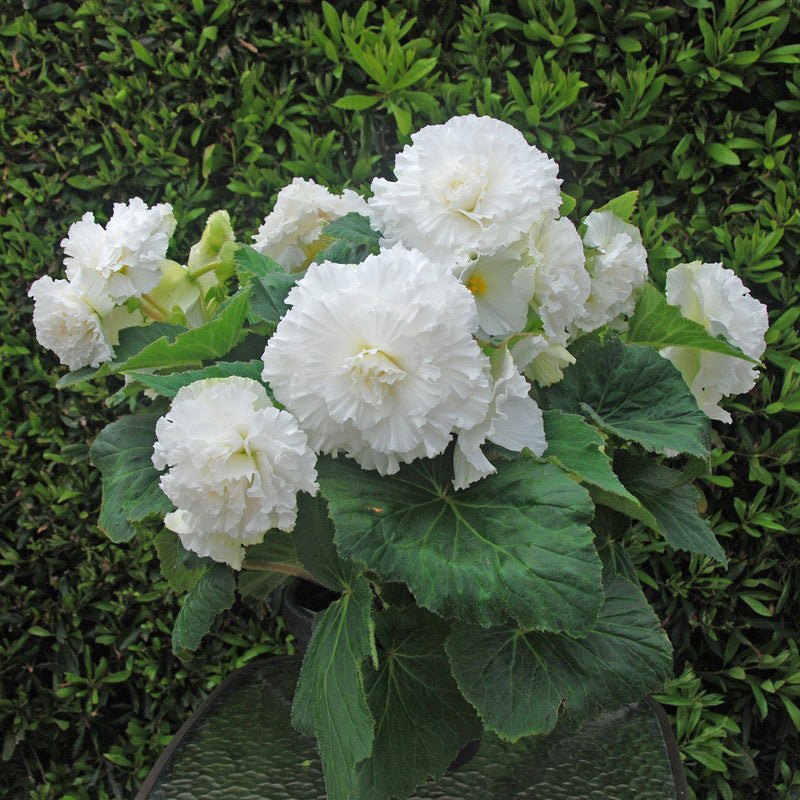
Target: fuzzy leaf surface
[[209, 597], [634, 393], [421, 718], [122, 452], [622, 659], [516, 545]]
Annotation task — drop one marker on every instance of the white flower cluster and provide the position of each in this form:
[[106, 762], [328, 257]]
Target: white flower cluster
[[79, 318], [385, 361], [716, 298], [473, 195], [292, 233], [235, 464]]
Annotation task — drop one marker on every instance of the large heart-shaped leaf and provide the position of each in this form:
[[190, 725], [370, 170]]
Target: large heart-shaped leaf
[[516, 545], [122, 452], [421, 718], [634, 393], [523, 682], [330, 700]]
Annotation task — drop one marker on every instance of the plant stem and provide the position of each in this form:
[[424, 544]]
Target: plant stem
[[195, 274], [279, 566], [153, 310]]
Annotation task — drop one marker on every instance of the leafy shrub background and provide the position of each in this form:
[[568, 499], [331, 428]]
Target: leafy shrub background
[[219, 104]]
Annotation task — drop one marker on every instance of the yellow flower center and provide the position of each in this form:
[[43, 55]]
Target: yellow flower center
[[476, 284]]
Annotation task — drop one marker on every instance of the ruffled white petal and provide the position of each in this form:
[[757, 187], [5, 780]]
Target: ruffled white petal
[[716, 298], [127, 253], [513, 420], [463, 189], [291, 233], [502, 292], [378, 359], [67, 318], [618, 267], [235, 465]]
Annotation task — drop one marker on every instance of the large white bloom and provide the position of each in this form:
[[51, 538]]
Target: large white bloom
[[465, 188], [127, 253], [378, 359], [513, 421], [717, 299], [235, 464], [618, 268], [291, 233], [68, 317]]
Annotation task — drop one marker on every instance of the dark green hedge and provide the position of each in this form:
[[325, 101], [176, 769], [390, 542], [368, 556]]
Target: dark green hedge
[[218, 104]]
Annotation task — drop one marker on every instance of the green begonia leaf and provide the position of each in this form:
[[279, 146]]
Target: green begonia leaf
[[330, 701], [634, 393], [623, 206], [658, 324], [249, 262], [577, 446], [170, 550], [192, 347], [169, 385], [260, 585], [355, 229], [269, 564], [421, 718], [268, 284], [672, 503], [514, 545], [122, 452], [209, 597], [313, 541], [523, 682]]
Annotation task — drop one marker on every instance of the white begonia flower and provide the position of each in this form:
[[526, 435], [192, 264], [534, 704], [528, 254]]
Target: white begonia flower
[[378, 359], [561, 283], [68, 318], [463, 189], [541, 360], [513, 421], [236, 464], [544, 269], [291, 234], [502, 292], [716, 298], [618, 268], [127, 253]]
